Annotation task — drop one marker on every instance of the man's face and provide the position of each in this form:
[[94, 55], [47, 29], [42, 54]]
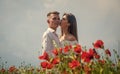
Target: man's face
[[53, 21]]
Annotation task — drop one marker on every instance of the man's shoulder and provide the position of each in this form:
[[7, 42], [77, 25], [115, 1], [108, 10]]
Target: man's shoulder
[[46, 33]]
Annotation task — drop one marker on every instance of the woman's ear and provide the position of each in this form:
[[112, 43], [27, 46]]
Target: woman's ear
[[68, 24]]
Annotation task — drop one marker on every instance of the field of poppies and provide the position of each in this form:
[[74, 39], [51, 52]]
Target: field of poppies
[[72, 59]]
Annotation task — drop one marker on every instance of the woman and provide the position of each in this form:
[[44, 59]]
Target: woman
[[68, 30]]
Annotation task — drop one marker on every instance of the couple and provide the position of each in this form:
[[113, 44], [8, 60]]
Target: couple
[[68, 26]]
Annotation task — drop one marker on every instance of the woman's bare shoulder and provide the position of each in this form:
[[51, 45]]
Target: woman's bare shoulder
[[71, 37]]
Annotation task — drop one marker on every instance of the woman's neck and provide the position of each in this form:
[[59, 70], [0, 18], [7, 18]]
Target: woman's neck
[[65, 32]]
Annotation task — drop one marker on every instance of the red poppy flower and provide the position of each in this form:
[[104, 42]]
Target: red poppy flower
[[97, 56], [86, 57], [99, 44], [60, 50], [44, 64], [56, 60], [108, 52], [47, 65], [2, 70], [74, 64], [92, 52], [44, 56], [12, 68], [67, 48], [55, 51], [78, 49]]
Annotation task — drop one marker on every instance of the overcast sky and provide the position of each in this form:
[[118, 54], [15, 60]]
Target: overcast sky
[[22, 23]]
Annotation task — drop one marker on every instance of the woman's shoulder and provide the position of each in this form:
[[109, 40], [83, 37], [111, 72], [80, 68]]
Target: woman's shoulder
[[68, 38], [71, 38]]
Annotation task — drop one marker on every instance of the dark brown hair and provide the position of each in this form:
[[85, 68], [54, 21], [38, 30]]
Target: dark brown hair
[[72, 29], [53, 12]]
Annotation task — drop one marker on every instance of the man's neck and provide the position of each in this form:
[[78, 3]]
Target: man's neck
[[53, 28]]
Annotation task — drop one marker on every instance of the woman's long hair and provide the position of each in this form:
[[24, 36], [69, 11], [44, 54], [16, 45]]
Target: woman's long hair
[[72, 29]]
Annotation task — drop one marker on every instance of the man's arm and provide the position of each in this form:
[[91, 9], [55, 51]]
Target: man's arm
[[46, 43]]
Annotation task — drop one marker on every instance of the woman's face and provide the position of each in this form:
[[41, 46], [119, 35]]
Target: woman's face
[[64, 22]]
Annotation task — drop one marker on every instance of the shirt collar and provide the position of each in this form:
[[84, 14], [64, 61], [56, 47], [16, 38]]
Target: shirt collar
[[51, 30]]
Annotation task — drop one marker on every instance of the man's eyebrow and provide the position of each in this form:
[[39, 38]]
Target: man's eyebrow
[[55, 18]]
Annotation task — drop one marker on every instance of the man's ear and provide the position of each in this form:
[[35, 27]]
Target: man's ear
[[48, 21]]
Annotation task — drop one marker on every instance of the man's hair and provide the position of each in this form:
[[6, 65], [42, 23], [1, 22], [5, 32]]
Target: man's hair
[[53, 12]]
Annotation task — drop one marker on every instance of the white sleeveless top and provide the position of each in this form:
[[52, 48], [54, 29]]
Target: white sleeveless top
[[68, 42]]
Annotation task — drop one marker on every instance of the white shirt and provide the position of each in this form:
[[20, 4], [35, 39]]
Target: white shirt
[[50, 40]]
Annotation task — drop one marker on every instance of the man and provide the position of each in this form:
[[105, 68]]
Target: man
[[50, 38]]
